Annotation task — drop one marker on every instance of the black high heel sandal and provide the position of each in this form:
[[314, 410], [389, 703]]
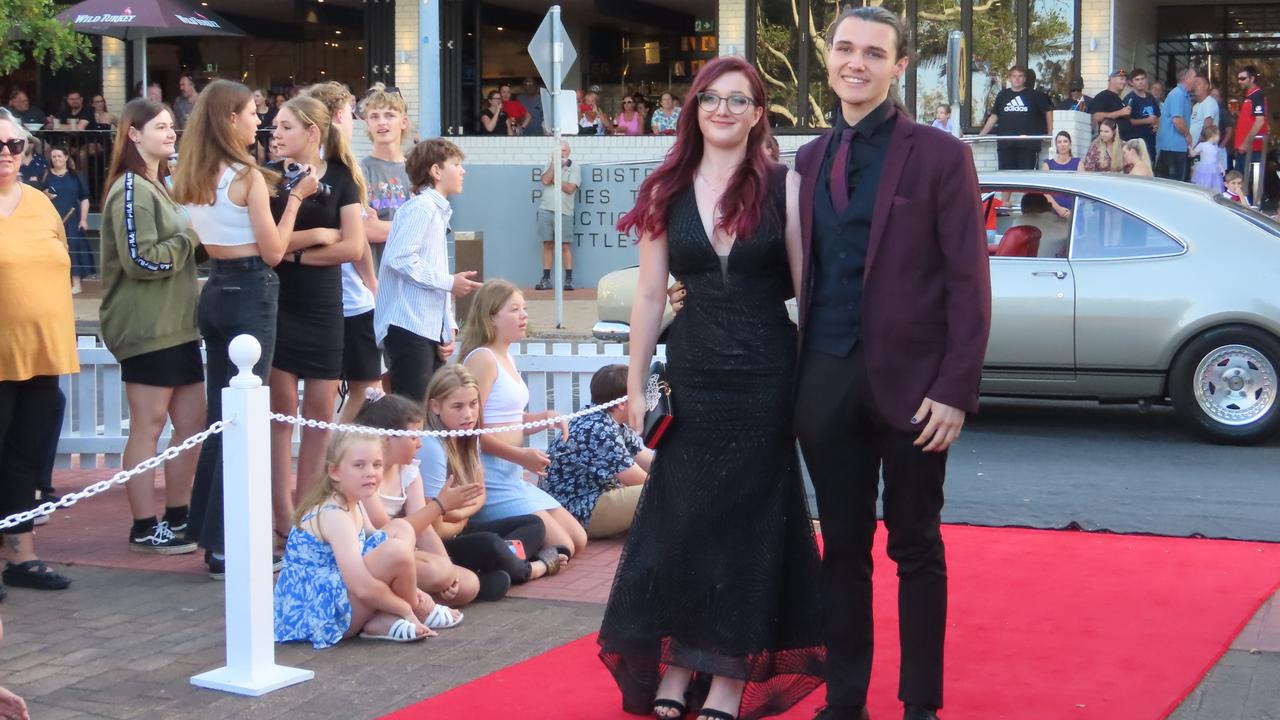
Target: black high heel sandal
[[711, 714], [669, 704], [694, 695]]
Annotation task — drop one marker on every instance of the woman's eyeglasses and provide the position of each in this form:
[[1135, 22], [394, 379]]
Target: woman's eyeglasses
[[15, 146], [738, 104]]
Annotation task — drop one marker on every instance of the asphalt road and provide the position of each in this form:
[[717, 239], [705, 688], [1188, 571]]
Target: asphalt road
[[1051, 464]]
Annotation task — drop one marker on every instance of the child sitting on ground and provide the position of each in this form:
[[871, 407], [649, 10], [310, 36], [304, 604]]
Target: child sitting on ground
[[400, 493], [341, 576], [511, 547], [597, 472]]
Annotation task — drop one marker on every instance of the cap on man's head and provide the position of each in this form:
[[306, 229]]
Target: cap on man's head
[[1118, 72], [1077, 84]]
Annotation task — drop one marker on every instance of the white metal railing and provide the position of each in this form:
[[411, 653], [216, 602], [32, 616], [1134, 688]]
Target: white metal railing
[[97, 417]]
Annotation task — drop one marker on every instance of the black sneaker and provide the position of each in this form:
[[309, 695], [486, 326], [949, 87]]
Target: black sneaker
[[160, 541], [568, 285], [218, 565], [543, 284]]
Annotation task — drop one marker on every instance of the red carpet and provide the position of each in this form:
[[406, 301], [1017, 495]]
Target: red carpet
[[1044, 625]]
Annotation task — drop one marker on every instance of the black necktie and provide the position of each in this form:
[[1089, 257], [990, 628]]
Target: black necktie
[[838, 183]]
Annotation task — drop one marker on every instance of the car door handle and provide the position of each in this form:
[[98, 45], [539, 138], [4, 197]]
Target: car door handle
[[1060, 274]]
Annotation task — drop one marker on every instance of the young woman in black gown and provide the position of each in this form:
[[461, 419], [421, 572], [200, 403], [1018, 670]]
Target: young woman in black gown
[[719, 575]]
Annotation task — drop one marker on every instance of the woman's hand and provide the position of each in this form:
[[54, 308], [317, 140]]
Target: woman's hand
[[1062, 212], [636, 407], [308, 185], [83, 224], [451, 592], [563, 423], [455, 497], [534, 460]]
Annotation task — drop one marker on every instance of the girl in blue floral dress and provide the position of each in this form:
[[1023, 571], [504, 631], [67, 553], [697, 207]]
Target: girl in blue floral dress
[[340, 576]]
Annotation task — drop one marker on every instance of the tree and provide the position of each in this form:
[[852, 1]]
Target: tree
[[30, 28]]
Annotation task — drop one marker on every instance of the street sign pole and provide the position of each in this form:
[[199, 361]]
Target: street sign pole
[[553, 55], [557, 56]]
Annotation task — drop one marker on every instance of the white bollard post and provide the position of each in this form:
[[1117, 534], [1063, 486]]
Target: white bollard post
[[246, 473]]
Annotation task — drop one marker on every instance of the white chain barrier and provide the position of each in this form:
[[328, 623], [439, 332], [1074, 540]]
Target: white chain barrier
[[119, 478], [321, 424]]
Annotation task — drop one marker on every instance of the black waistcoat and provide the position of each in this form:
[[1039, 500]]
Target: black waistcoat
[[839, 250]]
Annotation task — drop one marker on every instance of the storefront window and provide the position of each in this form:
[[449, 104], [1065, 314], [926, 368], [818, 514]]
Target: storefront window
[[1049, 45], [994, 50], [790, 43], [778, 59], [935, 21]]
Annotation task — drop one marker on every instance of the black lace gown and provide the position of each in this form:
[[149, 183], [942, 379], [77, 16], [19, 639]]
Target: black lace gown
[[720, 571]]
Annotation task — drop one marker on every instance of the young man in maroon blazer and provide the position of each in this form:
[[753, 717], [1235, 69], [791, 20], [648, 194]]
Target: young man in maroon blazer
[[895, 310]]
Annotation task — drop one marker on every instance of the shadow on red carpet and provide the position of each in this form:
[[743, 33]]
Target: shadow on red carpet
[[1043, 625]]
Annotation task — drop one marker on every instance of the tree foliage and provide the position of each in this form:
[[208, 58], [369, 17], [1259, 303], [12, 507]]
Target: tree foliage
[[30, 29]]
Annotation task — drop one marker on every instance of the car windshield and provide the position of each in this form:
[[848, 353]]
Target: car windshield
[[1256, 218]]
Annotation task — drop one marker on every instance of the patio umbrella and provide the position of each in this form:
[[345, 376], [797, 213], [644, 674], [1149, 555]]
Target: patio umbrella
[[141, 19]]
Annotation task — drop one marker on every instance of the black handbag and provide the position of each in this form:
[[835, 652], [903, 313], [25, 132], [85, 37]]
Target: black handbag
[[658, 413]]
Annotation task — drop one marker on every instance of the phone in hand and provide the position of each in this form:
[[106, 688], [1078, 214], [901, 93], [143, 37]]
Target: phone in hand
[[517, 548]]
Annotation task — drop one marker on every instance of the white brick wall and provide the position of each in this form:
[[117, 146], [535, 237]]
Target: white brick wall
[[1095, 33], [113, 80], [406, 40], [731, 25]]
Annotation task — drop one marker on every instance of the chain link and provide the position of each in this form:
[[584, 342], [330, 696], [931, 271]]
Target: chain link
[[310, 423], [120, 478]]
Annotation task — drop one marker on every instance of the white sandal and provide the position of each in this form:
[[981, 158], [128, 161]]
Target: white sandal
[[442, 618], [402, 631]]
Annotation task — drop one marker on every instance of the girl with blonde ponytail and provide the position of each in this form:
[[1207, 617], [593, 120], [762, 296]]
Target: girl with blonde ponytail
[[361, 361], [309, 330]]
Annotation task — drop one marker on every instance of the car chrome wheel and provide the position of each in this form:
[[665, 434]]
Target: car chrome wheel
[[1235, 384]]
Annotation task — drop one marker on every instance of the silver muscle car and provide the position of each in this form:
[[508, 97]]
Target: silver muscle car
[[1117, 289]]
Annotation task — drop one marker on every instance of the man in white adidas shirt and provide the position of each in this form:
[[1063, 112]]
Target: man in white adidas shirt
[[1019, 110]]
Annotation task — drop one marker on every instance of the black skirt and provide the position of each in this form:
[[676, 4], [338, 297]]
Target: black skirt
[[168, 367], [361, 359], [309, 325]]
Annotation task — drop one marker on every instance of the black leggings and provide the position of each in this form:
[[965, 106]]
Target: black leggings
[[482, 547], [30, 419]]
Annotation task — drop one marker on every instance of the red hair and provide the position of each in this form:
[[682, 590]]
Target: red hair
[[741, 204]]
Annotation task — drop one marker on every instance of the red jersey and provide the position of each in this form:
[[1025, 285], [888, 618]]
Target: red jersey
[[515, 110], [1253, 107]]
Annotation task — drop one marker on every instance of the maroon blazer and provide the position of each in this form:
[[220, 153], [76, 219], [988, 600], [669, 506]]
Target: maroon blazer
[[926, 303]]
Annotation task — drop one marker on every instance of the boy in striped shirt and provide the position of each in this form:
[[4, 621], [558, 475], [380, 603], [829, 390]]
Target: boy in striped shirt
[[413, 319]]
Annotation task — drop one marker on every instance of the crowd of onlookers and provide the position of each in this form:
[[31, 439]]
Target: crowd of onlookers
[[1187, 134], [381, 537], [639, 111]]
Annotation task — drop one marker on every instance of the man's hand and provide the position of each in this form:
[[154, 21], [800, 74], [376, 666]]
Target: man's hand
[[675, 295], [943, 427], [445, 351], [463, 284]]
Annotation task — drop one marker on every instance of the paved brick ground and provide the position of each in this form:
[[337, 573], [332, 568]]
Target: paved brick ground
[[133, 628]]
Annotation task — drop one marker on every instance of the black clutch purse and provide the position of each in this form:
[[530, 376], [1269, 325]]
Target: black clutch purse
[[658, 413]]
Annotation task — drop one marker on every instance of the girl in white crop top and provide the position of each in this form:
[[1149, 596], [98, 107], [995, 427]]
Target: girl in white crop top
[[400, 493], [497, 319]]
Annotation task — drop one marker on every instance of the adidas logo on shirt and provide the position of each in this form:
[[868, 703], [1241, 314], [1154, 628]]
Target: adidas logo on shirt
[[1016, 105]]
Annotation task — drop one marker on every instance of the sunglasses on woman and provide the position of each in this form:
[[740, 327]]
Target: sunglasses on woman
[[15, 146], [710, 102]]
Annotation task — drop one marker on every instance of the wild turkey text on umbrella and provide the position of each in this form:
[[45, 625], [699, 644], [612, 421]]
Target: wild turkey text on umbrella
[[141, 19]]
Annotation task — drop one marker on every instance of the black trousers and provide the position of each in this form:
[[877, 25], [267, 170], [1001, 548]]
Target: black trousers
[[411, 361], [482, 547], [846, 445], [30, 415], [240, 298]]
